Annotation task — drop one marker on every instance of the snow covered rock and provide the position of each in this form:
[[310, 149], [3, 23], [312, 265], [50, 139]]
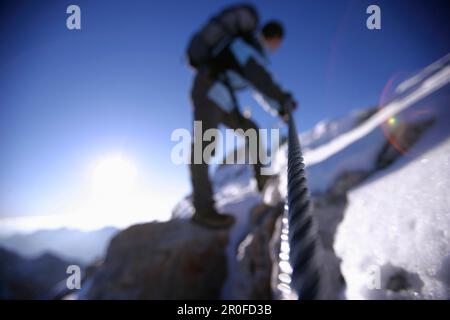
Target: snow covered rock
[[394, 240], [397, 229]]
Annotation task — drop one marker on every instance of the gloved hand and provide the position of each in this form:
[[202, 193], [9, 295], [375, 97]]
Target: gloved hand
[[288, 102]]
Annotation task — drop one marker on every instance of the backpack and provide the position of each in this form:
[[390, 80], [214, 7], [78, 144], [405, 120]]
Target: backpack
[[219, 31]]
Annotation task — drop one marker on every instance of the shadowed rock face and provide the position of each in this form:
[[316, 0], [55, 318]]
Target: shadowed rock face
[[400, 140], [257, 255], [170, 260]]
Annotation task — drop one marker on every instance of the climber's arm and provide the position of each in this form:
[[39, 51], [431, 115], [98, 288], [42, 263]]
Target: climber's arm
[[253, 67], [262, 81]]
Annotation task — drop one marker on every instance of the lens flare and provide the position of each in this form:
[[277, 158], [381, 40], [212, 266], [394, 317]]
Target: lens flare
[[392, 121], [394, 128]]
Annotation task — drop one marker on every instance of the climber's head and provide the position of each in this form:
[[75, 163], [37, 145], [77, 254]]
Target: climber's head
[[272, 35]]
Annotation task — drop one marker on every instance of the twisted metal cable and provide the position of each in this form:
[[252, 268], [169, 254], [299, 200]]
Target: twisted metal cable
[[302, 226]]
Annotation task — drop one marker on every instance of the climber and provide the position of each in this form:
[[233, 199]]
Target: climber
[[228, 54]]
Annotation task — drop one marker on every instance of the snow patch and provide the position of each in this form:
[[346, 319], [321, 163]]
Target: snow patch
[[402, 220]]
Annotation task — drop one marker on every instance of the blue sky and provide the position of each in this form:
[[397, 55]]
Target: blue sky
[[120, 85]]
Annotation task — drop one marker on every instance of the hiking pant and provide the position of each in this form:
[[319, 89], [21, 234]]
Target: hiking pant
[[211, 115]]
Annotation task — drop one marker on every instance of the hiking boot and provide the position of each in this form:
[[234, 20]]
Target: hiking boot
[[213, 220]]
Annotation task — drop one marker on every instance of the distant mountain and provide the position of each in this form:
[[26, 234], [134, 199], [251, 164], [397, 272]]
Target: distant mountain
[[66, 243], [33, 278]]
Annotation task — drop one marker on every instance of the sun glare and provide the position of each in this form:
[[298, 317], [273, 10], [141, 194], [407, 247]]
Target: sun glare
[[116, 194], [114, 176]]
